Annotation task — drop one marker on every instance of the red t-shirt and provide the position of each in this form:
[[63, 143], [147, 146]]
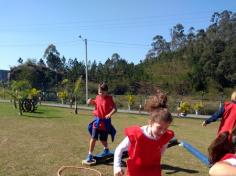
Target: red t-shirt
[[228, 120], [103, 106], [228, 156], [144, 153]]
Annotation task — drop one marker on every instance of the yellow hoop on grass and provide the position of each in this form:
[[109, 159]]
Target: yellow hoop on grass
[[77, 167]]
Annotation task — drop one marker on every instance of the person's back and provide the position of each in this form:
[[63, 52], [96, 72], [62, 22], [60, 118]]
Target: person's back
[[227, 113], [228, 120], [222, 154]]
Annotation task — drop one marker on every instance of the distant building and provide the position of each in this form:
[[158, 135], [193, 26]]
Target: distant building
[[4, 75]]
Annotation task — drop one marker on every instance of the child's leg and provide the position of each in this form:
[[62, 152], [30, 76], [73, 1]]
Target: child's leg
[[92, 145], [103, 139], [105, 144], [93, 140], [91, 148]]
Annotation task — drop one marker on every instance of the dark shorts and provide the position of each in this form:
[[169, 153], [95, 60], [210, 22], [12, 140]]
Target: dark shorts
[[101, 134]]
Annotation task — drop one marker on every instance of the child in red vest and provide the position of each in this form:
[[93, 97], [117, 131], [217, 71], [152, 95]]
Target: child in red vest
[[222, 154], [146, 144], [227, 113], [101, 126]]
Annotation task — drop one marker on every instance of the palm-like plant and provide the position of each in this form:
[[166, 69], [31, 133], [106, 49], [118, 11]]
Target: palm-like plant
[[19, 90], [77, 89], [131, 100]]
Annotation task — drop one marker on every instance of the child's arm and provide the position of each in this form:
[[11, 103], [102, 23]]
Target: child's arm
[[91, 101], [114, 109], [123, 146], [222, 169], [214, 117], [111, 113], [163, 149]]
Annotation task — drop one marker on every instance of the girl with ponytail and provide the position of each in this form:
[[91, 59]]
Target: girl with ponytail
[[222, 154]]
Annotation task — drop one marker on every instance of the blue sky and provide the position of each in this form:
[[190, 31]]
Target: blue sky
[[126, 27]]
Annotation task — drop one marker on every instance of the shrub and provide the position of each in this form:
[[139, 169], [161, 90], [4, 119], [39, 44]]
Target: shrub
[[184, 107]]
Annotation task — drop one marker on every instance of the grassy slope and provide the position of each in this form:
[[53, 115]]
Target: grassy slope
[[163, 71], [40, 143]]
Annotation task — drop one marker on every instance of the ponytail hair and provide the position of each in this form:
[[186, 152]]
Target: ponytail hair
[[158, 100], [103, 86], [219, 147]]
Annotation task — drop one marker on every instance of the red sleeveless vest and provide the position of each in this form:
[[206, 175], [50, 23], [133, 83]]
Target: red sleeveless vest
[[228, 120], [228, 156], [144, 153]]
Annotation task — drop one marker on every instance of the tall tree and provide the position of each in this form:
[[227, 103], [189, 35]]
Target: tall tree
[[178, 38], [41, 63], [93, 71], [20, 60], [77, 89], [52, 57], [160, 45], [76, 69]]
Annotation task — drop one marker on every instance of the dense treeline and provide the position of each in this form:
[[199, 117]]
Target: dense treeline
[[199, 60], [202, 60]]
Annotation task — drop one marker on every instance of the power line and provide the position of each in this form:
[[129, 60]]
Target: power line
[[37, 44], [120, 19], [119, 43], [69, 43], [103, 27]]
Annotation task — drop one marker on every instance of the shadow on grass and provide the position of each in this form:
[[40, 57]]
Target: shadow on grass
[[175, 169], [40, 114], [170, 169], [42, 117]]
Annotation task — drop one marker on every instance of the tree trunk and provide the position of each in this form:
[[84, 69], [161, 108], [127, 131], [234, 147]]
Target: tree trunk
[[20, 107], [76, 108], [14, 103], [71, 103], [129, 107]]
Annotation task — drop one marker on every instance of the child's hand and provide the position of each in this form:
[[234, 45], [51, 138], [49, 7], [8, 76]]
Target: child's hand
[[120, 173], [89, 101], [108, 116]]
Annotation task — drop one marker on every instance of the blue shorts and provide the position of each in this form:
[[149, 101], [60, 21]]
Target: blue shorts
[[103, 135]]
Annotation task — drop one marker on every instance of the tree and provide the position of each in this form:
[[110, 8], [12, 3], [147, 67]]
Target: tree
[[18, 91], [160, 45], [150, 54], [62, 95], [191, 35], [178, 38], [52, 57], [64, 87], [41, 63], [51, 49], [93, 71], [78, 85], [20, 60], [131, 100]]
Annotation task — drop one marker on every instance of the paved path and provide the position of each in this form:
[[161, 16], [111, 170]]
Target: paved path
[[193, 116]]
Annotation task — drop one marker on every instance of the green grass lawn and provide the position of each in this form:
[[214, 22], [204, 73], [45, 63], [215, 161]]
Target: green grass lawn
[[38, 144]]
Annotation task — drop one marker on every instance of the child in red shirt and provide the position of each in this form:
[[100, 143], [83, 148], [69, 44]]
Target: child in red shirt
[[227, 113], [146, 144], [101, 126], [222, 154]]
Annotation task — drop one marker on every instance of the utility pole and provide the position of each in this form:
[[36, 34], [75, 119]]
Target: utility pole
[[86, 67]]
